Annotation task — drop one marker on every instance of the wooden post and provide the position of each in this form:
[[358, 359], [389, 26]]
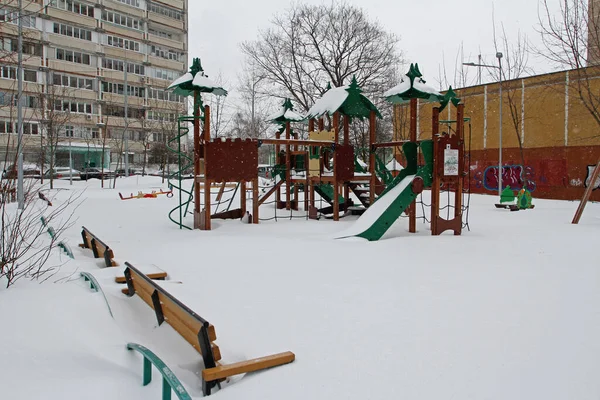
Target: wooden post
[[435, 184], [321, 124], [346, 142], [288, 177], [460, 122], [197, 161], [243, 197], [587, 194], [277, 150], [373, 182], [336, 188], [412, 210], [255, 201], [207, 205]]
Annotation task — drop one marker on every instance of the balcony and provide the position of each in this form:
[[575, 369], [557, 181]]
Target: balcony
[[68, 16], [163, 20]]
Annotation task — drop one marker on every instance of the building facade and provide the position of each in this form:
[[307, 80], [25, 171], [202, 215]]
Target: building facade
[[95, 74], [550, 139]]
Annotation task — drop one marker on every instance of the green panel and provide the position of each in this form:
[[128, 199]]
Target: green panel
[[426, 171], [170, 381], [357, 167], [382, 172], [325, 190]]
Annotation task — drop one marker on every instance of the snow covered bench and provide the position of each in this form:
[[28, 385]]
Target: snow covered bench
[[196, 331], [98, 247]]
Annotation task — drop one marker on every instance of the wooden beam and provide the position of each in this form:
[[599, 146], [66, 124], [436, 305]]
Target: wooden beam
[[152, 275], [435, 184], [270, 192], [255, 201], [197, 157], [288, 166], [256, 364], [297, 142], [373, 178], [587, 194], [395, 143], [412, 209]]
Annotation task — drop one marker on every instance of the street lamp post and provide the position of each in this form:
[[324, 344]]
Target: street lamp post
[[499, 67]]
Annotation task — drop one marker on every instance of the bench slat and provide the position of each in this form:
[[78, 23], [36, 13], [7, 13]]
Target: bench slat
[[152, 275], [257, 364]]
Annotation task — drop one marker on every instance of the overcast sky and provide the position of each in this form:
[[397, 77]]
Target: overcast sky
[[430, 31]]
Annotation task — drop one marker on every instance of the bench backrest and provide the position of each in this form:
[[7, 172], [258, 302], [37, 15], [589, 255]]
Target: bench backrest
[[193, 328], [99, 248]]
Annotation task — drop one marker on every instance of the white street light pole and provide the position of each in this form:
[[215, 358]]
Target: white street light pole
[[499, 57], [70, 164], [499, 67]]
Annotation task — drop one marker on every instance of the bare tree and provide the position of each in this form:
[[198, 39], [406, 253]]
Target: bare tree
[[220, 116], [54, 110], [571, 39], [308, 46], [515, 66]]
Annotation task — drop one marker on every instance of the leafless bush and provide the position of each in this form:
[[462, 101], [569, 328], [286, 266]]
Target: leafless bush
[[25, 242]]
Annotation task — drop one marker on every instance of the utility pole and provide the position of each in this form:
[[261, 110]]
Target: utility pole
[[20, 194], [126, 123]]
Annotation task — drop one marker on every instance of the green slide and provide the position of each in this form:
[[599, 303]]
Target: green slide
[[396, 198]]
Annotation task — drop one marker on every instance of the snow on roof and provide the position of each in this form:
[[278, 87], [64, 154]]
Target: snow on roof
[[289, 115], [204, 82], [182, 79], [394, 165], [404, 86], [331, 101]]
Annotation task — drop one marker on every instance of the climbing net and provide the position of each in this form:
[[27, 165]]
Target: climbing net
[[267, 184], [447, 205]]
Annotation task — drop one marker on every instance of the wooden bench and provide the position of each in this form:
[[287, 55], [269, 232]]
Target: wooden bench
[[99, 248], [197, 331]]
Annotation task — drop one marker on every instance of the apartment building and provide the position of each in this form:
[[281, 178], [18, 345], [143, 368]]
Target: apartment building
[[95, 74]]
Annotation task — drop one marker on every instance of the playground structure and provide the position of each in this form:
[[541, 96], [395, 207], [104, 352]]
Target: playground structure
[[327, 159]]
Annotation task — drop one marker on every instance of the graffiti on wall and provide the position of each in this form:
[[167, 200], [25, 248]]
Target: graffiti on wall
[[588, 178], [513, 176]]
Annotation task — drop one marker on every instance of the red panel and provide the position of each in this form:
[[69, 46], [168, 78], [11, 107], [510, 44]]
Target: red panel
[[231, 160], [344, 162]]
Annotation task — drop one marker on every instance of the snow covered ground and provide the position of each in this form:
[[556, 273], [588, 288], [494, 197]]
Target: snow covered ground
[[509, 310]]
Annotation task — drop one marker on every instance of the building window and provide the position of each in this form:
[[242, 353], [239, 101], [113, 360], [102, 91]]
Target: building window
[[73, 6], [166, 74], [120, 19], [29, 128], [166, 11], [160, 116], [69, 131], [165, 53], [12, 16], [118, 88], [73, 107], [29, 48], [72, 31], [163, 34], [73, 56], [123, 43], [10, 72], [160, 94], [119, 65], [75, 82], [133, 3]]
